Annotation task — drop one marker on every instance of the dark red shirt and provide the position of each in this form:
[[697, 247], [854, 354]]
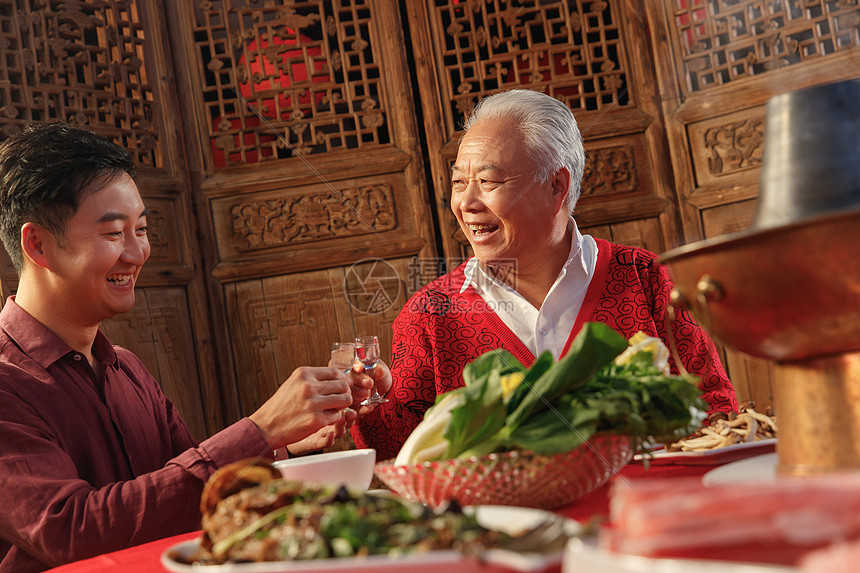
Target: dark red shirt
[[90, 465]]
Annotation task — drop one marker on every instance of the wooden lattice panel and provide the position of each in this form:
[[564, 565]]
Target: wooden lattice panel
[[723, 40], [82, 65], [288, 80], [570, 50]]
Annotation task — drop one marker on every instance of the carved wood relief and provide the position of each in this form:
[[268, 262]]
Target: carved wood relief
[[304, 227], [618, 186], [735, 146], [727, 147], [260, 224], [609, 171]]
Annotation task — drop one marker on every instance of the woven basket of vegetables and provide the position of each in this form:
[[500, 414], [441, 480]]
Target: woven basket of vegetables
[[511, 478], [546, 435]]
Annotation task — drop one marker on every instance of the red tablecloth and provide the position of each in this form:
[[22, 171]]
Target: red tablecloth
[[146, 558]]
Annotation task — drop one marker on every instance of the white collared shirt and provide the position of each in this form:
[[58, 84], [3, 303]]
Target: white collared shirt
[[548, 327]]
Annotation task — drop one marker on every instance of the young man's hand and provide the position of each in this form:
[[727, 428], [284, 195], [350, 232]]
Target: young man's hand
[[308, 401]]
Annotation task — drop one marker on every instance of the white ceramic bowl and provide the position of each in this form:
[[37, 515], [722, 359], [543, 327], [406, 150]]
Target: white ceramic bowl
[[352, 468]]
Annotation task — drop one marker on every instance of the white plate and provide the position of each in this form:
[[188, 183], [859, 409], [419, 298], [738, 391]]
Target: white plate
[[711, 457], [760, 469], [500, 518], [581, 557]]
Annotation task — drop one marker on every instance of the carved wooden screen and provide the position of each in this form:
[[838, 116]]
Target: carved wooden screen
[[102, 66], [288, 81], [592, 55], [302, 129], [719, 61]]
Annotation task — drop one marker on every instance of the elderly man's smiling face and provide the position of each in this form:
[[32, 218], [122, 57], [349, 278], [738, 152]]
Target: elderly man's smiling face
[[505, 212]]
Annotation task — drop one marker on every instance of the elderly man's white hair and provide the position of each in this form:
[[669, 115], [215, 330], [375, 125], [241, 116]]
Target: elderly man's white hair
[[549, 132]]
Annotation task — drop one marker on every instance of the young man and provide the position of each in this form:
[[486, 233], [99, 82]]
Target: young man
[[93, 457]]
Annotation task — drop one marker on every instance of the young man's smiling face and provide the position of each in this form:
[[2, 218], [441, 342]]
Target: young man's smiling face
[[97, 262]]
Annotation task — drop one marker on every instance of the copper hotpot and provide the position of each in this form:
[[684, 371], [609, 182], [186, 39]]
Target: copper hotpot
[[788, 290]]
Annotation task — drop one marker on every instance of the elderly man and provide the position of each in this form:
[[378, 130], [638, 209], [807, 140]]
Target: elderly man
[[93, 457], [534, 279]]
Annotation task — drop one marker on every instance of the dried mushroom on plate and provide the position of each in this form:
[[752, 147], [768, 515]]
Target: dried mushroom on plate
[[723, 430]]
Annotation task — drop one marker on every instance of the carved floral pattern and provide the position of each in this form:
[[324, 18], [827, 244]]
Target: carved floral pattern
[[735, 146], [265, 223], [610, 170]]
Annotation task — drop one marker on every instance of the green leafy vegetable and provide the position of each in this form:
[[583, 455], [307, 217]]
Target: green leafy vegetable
[[603, 384], [482, 414], [592, 348]]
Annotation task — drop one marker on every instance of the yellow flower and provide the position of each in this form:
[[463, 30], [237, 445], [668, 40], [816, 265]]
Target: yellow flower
[[641, 342], [510, 381]]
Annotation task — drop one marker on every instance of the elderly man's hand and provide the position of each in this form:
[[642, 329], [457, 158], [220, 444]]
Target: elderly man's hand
[[308, 401], [324, 437], [362, 384]]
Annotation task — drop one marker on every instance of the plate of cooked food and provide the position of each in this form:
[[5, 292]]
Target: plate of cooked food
[[714, 456], [254, 521], [725, 438]]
